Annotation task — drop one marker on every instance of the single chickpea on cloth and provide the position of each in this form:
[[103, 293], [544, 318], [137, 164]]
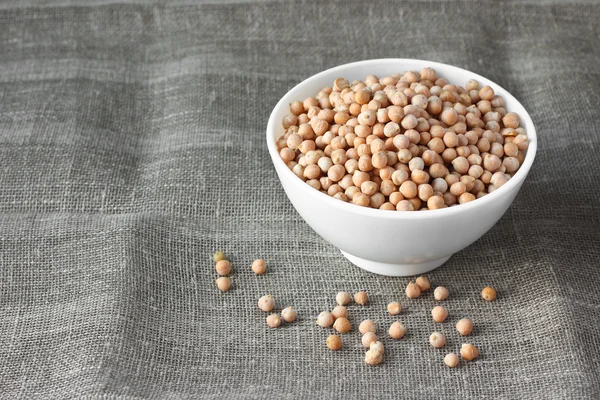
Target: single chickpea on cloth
[[405, 142]]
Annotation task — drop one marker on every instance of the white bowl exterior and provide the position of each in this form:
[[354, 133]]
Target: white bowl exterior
[[388, 236]]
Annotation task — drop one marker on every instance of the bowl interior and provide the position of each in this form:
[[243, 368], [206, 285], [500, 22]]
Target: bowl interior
[[382, 68]]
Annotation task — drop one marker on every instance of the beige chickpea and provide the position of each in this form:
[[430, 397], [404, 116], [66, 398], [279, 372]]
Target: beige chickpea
[[325, 319], [223, 267], [440, 293], [367, 325], [439, 314], [488, 293], [342, 325], [451, 360], [469, 352], [259, 266], [511, 120], [339, 312], [274, 320], [296, 107], [413, 290], [464, 326], [361, 298], [466, 197], [373, 357], [405, 205], [394, 308], [397, 330], [343, 298], [368, 338], [223, 283], [437, 340], [266, 303], [423, 283], [334, 342], [486, 93]]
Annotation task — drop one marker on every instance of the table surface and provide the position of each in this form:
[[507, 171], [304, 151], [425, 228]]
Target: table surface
[[132, 147]]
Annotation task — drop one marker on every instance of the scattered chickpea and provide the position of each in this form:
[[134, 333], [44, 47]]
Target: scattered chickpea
[[342, 325], [325, 319], [488, 293], [334, 342], [288, 314], [218, 256], [464, 326], [274, 320], [223, 267], [361, 298], [259, 266], [343, 298], [368, 325], [266, 303], [339, 312], [373, 357], [469, 352], [440, 293], [223, 283], [423, 283], [439, 314], [397, 330], [413, 290], [394, 308], [377, 347], [437, 340], [451, 360], [368, 338]]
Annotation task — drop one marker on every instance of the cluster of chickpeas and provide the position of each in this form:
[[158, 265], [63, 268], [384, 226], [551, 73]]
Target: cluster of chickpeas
[[338, 319], [223, 267], [405, 142]]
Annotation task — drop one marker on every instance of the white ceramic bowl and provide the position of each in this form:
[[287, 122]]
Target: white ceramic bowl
[[390, 242]]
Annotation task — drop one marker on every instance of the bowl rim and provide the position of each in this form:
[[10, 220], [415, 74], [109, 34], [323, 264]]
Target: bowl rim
[[376, 213]]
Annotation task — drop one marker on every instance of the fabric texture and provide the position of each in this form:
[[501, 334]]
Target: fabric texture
[[132, 146]]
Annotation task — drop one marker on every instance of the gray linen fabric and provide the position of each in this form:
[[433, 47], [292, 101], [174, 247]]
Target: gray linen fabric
[[132, 147]]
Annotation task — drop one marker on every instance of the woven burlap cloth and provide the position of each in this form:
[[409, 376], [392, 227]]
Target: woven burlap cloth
[[132, 146]]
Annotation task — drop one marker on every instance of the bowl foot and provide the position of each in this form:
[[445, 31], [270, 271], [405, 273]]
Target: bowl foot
[[395, 269]]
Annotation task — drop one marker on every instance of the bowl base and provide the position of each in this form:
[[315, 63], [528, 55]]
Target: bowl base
[[395, 269]]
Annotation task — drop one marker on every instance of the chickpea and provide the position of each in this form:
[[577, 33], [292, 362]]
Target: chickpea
[[488, 293], [451, 360], [394, 308], [223, 283], [339, 312], [423, 283], [342, 325], [369, 338], [439, 314], [367, 325], [361, 298], [469, 352], [397, 330], [440, 293], [274, 320], [413, 290], [223, 267], [437, 340], [464, 326]]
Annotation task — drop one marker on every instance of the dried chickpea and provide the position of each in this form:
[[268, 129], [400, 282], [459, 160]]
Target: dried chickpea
[[437, 340], [339, 312], [266, 303], [423, 283], [394, 308], [440, 293], [343, 298], [223, 283], [259, 266], [361, 298], [373, 357], [334, 342], [274, 320], [369, 338], [464, 326], [451, 360], [469, 352], [397, 330], [439, 314], [325, 319], [288, 314], [413, 290], [223, 267], [367, 325], [488, 293], [342, 325]]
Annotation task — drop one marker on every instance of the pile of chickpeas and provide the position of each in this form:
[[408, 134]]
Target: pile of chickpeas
[[405, 142], [338, 318]]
